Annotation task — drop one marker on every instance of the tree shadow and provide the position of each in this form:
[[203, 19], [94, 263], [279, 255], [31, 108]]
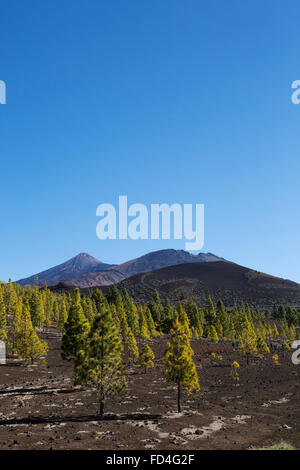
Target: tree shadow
[[78, 419], [12, 363], [38, 391]]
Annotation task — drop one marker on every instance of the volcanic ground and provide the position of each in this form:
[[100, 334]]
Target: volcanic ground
[[41, 409]]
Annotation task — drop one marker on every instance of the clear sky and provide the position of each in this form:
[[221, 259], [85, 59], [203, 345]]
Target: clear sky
[[161, 100]]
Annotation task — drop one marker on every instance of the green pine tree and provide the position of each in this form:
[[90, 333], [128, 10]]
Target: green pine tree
[[27, 343], [37, 311], [146, 358], [143, 327], [62, 317], [130, 345], [248, 339], [261, 345], [75, 330], [99, 365], [3, 322], [180, 367], [212, 334]]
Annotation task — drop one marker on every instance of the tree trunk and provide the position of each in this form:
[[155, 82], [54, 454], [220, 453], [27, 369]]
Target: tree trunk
[[101, 402], [178, 399]]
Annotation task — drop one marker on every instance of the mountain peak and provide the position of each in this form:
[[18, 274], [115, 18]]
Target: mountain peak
[[74, 267], [86, 256], [84, 270]]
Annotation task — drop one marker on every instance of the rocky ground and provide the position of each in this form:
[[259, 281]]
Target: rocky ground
[[40, 408]]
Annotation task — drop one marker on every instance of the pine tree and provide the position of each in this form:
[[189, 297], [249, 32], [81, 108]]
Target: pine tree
[[126, 299], [37, 311], [224, 318], [146, 358], [3, 322], [49, 299], [234, 372], [180, 367], [130, 345], [11, 300], [75, 330], [232, 331], [55, 310], [212, 334], [150, 323], [194, 318], [261, 345], [284, 330], [197, 328], [210, 314], [15, 324], [248, 339], [275, 331], [62, 317], [27, 344], [168, 316], [115, 316], [275, 312], [132, 317], [99, 364], [88, 310], [281, 312], [99, 300], [113, 296], [143, 327], [184, 319], [192, 311], [292, 333], [156, 308], [131, 312], [219, 328], [122, 320], [275, 359], [237, 319]]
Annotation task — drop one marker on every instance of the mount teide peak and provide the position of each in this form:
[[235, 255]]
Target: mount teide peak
[[74, 267], [86, 271]]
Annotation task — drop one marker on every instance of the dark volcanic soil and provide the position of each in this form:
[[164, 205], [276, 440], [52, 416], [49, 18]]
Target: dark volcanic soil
[[40, 409], [222, 280]]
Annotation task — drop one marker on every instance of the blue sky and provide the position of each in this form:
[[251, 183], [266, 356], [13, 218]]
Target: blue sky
[[163, 101]]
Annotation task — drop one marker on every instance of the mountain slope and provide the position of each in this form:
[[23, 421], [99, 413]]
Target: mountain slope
[[149, 262], [86, 271], [74, 267], [163, 258], [95, 279], [227, 281]]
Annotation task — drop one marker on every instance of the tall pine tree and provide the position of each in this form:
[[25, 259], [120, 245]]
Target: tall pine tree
[[100, 364], [76, 329], [178, 360]]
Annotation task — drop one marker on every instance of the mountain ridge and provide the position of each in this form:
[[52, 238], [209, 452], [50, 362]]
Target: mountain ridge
[[84, 270], [222, 280], [79, 264]]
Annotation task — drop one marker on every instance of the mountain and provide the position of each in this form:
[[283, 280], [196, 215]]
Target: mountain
[[222, 280], [177, 275], [163, 258], [149, 262], [94, 279], [85, 271], [74, 267]]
